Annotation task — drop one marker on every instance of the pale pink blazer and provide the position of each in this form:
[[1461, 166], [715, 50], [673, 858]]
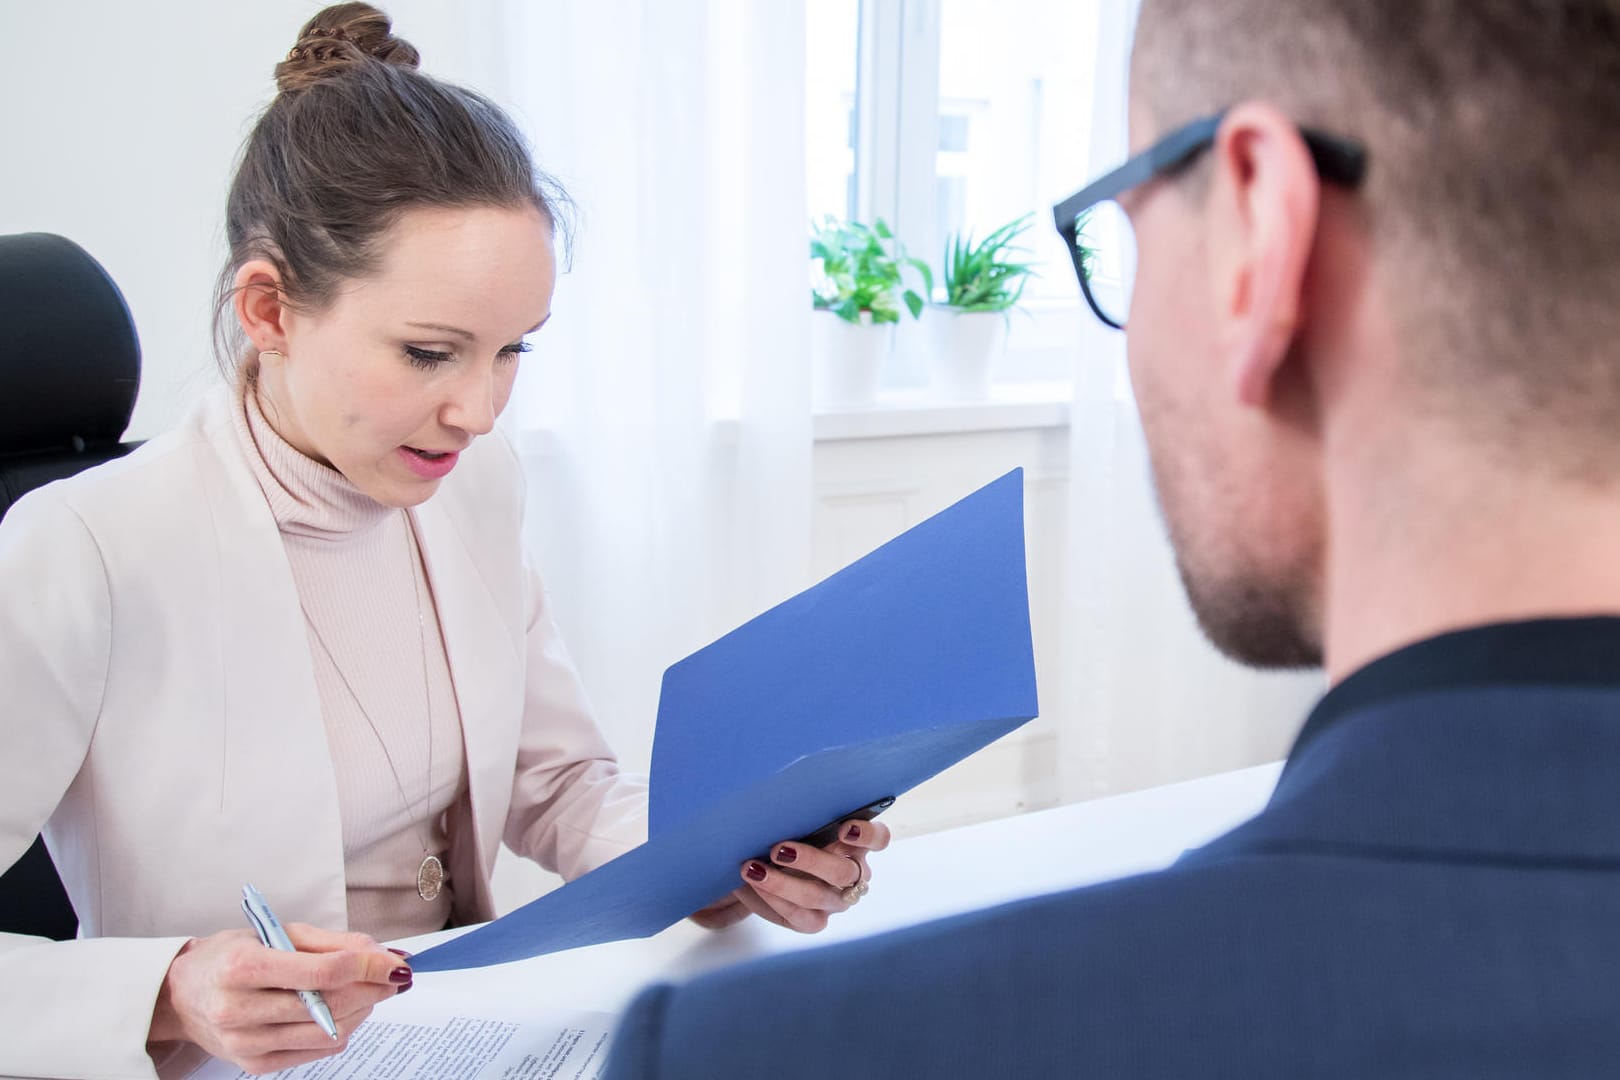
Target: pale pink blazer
[[159, 721]]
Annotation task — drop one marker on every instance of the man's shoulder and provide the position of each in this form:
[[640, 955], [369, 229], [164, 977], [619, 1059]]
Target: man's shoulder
[[1307, 963], [1039, 986]]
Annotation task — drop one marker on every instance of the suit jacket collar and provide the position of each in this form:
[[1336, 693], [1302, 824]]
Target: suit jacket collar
[[1535, 652], [1497, 744]]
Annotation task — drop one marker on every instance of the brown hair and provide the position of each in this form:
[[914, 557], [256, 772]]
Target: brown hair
[[356, 137], [1490, 198]]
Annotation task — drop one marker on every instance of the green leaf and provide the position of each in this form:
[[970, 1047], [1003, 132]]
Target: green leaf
[[858, 267], [924, 271], [979, 276]]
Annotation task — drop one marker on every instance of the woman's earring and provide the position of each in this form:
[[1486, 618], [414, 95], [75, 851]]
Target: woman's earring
[[270, 352]]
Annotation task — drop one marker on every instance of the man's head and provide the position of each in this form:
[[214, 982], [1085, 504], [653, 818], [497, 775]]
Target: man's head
[[1462, 303]]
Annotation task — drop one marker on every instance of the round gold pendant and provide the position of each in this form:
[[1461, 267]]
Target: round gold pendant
[[430, 878]]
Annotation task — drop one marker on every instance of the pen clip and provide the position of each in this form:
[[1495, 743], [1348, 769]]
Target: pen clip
[[258, 923]]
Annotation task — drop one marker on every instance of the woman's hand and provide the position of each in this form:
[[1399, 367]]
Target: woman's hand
[[803, 885], [233, 996]]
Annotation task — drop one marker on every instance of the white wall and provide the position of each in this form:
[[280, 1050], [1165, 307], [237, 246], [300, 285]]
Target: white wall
[[119, 127]]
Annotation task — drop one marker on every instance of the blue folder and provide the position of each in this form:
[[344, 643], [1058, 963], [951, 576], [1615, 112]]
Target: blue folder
[[861, 687]]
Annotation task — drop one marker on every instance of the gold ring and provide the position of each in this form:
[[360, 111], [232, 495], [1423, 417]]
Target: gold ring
[[858, 888]]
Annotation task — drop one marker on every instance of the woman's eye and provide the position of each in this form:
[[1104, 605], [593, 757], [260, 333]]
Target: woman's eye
[[514, 350], [426, 358]]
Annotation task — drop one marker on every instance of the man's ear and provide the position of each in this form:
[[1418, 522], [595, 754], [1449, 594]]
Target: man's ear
[[260, 305], [1264, 201]]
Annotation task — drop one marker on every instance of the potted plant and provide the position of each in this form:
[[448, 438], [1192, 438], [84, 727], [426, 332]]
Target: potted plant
[[982, 284], [858, 291]]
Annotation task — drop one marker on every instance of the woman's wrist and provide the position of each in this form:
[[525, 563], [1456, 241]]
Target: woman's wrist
[[166, 1023]]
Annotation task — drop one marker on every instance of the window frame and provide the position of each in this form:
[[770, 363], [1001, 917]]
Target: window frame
[[897, 105]]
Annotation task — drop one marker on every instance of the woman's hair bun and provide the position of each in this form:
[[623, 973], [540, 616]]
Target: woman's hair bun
[[338, 38]]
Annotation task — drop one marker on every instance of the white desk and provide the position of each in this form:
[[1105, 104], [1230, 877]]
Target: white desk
[[921, 878]]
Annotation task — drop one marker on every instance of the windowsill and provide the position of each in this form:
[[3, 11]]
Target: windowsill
[[895, 414], [900, 413]]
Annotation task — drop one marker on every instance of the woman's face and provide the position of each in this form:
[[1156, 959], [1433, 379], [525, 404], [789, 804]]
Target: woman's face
[[403, 369]]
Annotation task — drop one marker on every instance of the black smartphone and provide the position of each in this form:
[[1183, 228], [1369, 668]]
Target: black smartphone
[[829, 832]]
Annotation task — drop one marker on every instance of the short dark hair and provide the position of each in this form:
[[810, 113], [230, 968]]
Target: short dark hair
[[1493, 188], [355, 137]]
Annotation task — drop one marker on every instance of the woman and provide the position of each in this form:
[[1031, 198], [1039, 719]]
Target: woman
[[295, 641]]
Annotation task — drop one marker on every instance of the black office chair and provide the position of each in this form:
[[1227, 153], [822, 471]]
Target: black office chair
[[70, 364]]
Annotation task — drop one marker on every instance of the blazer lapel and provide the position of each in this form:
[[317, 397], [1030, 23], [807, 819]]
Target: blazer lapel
[[486, 673], [278, 792]]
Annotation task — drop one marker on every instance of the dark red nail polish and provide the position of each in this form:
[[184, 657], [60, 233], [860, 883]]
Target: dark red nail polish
[[401, 953], [404, 988], [786, 854], [854, 832], [400, 975], [755, 871]]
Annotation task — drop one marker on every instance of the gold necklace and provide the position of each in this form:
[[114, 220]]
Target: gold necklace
[[430, 873]]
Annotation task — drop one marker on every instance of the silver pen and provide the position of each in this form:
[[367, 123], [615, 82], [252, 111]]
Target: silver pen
[[274, 937]]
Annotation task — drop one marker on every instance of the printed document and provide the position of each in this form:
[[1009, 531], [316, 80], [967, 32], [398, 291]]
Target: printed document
[[461, 1048]]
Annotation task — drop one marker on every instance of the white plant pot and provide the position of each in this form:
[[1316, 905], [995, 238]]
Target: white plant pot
[[847, 358], [964, 345]]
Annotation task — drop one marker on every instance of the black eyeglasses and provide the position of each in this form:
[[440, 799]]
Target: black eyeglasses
[[1098, 232]]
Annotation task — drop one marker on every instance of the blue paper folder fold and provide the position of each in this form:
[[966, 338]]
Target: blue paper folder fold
[[865, 685]]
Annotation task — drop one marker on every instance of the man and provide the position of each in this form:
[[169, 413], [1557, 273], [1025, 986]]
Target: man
[[1375, 339]]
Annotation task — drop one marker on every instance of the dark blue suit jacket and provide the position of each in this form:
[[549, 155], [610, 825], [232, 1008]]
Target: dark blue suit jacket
[[1433, 890]]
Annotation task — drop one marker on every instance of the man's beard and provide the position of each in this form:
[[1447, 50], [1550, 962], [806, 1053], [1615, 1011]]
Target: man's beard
[[1257, 622], [1258, 615]]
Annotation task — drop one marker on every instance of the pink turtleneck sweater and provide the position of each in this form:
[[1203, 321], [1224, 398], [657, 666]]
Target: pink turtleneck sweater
[[392, 721]]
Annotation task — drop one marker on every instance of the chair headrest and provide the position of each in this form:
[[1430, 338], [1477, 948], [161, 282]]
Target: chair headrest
[[70, 362]]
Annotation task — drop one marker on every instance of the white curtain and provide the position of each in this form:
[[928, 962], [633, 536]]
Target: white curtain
[[664, 416], [1150, 701]]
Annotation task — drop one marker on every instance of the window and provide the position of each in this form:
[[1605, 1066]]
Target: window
[[1014, 122], [944, 116]]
